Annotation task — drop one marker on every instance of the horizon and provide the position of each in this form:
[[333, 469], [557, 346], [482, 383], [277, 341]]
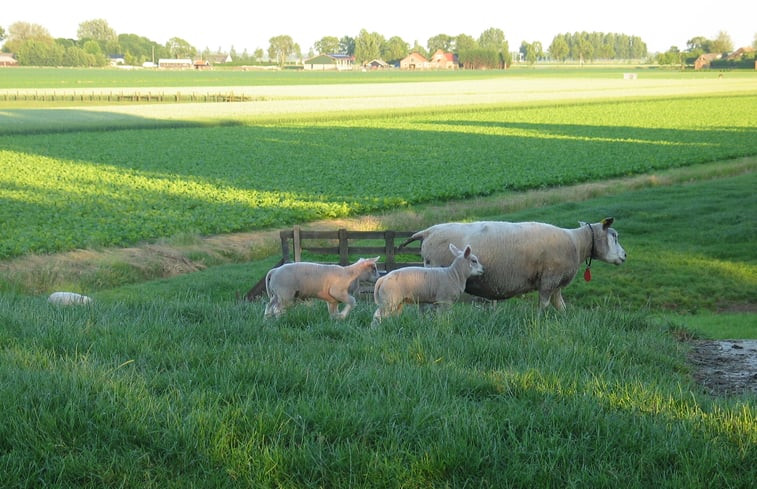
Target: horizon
[[659, 25]]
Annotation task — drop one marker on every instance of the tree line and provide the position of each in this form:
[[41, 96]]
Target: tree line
[[33, 45]]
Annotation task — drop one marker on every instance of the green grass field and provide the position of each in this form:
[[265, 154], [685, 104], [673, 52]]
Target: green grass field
[[170, 381]]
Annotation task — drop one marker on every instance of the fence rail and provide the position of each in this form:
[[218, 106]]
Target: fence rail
[[123, 97], [343, 244]]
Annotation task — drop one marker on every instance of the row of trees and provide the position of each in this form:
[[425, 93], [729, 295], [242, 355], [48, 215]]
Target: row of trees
[[33, 45], [700, 45]]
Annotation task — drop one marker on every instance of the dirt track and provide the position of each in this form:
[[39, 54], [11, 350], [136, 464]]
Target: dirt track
[[727, 367]]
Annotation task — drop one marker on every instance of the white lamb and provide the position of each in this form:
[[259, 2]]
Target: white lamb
[[331, 283], [435, 285], [68, 299]]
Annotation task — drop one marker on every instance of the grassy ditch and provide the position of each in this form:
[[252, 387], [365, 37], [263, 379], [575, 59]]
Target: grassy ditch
[[182, 390]]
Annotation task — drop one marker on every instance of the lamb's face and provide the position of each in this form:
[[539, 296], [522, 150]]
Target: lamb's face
[[475, 266]]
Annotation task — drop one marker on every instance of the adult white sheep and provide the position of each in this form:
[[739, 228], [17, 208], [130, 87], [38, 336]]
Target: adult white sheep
[[436, 286], [68, 299], [334, 284], [525, 256]]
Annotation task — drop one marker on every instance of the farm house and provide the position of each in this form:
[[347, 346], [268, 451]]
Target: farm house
[[176, 64], [414, 61], [326, 62]]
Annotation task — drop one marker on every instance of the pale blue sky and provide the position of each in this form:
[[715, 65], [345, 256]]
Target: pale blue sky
[[250, 25]]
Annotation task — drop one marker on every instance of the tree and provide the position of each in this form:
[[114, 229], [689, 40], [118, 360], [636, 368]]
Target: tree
[[368, 46], [327, 45], [347, 45], [417, 48], [97, 30], [20, 32], [179, 48], [491, 38], [2, 34], [559, 48], [40, 52], [478, 59], [440, 41], [722, 43], [280, 48], [531, 52], [464, 42], [140, 49], [394, 49], [672, 56], [698, 45]]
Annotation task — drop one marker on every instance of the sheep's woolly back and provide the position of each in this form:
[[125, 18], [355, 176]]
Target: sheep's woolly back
[[518, 257], [68, 299]]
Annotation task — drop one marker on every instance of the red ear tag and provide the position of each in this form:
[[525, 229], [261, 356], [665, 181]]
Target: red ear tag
[[587, 274]]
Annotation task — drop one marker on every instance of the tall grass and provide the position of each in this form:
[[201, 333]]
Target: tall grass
[[182, 390]]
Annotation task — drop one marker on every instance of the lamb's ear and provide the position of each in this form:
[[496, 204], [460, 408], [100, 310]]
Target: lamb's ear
[[374, 260], [466, 254], [607, 222], [455, 251], [581, 223]]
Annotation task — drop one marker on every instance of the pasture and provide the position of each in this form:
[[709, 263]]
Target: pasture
[[168, 381]]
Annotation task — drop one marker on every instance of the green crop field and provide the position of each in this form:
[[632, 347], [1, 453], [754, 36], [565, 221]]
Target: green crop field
[[168, 380], [62, 191]]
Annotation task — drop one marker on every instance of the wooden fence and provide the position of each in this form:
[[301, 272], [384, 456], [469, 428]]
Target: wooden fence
[[127, 97], [345, 247]]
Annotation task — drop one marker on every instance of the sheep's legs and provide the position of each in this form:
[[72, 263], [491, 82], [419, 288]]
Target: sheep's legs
[[554, 297], [349, 303]]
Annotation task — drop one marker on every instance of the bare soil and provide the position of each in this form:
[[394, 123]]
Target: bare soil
[[725, 368]]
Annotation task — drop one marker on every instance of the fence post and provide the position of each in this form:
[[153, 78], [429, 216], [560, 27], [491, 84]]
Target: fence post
[[283, 235], [297, 244], [389, 250], [344, 257]]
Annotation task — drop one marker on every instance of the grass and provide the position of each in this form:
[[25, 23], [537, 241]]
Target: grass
[[175, 383], [185, 390]]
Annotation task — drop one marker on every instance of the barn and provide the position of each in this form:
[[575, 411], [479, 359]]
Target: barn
[[326, 62]]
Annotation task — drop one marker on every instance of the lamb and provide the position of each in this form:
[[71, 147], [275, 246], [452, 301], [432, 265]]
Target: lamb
[[524, 257], [68, 298], [437, 286], [332, 283]]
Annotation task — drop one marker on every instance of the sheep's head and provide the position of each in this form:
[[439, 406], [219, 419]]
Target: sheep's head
[[606, 244], [369, 269], [473, 266]]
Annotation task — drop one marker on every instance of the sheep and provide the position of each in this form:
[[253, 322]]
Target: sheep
[[524, 257], [332, 283], [68, 298], [436, 286]]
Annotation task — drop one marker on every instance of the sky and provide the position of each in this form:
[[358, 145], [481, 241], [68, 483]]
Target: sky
[[250, 25]]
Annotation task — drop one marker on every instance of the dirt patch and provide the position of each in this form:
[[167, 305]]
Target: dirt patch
[[726, 368]]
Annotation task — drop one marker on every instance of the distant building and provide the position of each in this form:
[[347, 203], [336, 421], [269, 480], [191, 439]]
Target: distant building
[[176, 64], [443, 61], [414, 61], [7, 59], [326, 62], [704, 60], [116, 59], [376, 64], [202, 64]]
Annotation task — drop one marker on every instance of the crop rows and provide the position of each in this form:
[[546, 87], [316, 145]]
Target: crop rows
[[113, 188]]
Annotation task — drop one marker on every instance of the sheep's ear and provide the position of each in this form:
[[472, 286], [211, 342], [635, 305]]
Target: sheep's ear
[[581, 223], [466, 254], [607, 222], [374, 260], [454, 249]]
